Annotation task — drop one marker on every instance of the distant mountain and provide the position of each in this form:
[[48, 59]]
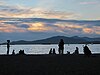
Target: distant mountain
[[55, 40], [92, 22]]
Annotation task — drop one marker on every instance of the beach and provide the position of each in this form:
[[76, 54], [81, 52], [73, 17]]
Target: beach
[[49, 65]]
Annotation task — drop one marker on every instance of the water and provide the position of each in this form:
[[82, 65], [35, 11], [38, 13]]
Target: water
[[44, 49]]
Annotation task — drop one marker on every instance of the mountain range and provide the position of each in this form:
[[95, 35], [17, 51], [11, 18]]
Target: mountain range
[[56, 39]]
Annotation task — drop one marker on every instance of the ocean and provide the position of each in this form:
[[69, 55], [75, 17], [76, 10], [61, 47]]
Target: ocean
[[44, 49]]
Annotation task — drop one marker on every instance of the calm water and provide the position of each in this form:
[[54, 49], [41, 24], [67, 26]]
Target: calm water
[[44, 49]]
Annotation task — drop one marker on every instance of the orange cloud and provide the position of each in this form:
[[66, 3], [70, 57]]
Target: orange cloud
[[10, 28], [69, 26], [38, 27], [96, 29], [88, 30]]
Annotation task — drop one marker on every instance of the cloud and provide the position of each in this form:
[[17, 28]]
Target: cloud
[[39, 27], [9, 28], [64, 27], [88, 30], [93, 30], [28, 12], [89, 2], [2, 2], [23, 25], [96, 29]]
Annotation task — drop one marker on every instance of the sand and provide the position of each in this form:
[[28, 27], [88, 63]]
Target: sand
[[49, 65]]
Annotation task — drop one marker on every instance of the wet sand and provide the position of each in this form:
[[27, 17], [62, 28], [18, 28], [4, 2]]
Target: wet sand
[[49, 65]]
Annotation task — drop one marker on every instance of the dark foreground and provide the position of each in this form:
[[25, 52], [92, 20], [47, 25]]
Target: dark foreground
[[50, 65]]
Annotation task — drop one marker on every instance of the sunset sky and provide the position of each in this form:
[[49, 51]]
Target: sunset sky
[[54, 17]]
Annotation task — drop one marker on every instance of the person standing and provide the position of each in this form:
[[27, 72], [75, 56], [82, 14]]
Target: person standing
[[61, 46], [8, 46]]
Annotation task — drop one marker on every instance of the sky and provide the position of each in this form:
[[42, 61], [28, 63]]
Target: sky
[[55, 17]]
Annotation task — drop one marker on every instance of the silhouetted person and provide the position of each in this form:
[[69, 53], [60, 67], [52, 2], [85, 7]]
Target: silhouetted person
[[61, 46], [87, 51], [21, 52], [50, 52], [54, 52], [13, 52], [76, 51], [68, 52], [8, 46]]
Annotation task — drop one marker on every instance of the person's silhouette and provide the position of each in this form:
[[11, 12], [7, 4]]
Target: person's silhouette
[[68, 52], [54, 52], [8, 46], [13, 52], [21, 52], [76, 51], [87, 51], [61, 46], [50, 52]]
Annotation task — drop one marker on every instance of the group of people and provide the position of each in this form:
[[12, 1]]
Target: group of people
[[52, 51], [60, 50], [21, 52], [86, 50]]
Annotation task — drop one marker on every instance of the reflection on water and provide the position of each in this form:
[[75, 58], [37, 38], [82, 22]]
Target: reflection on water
[[44, 49]]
